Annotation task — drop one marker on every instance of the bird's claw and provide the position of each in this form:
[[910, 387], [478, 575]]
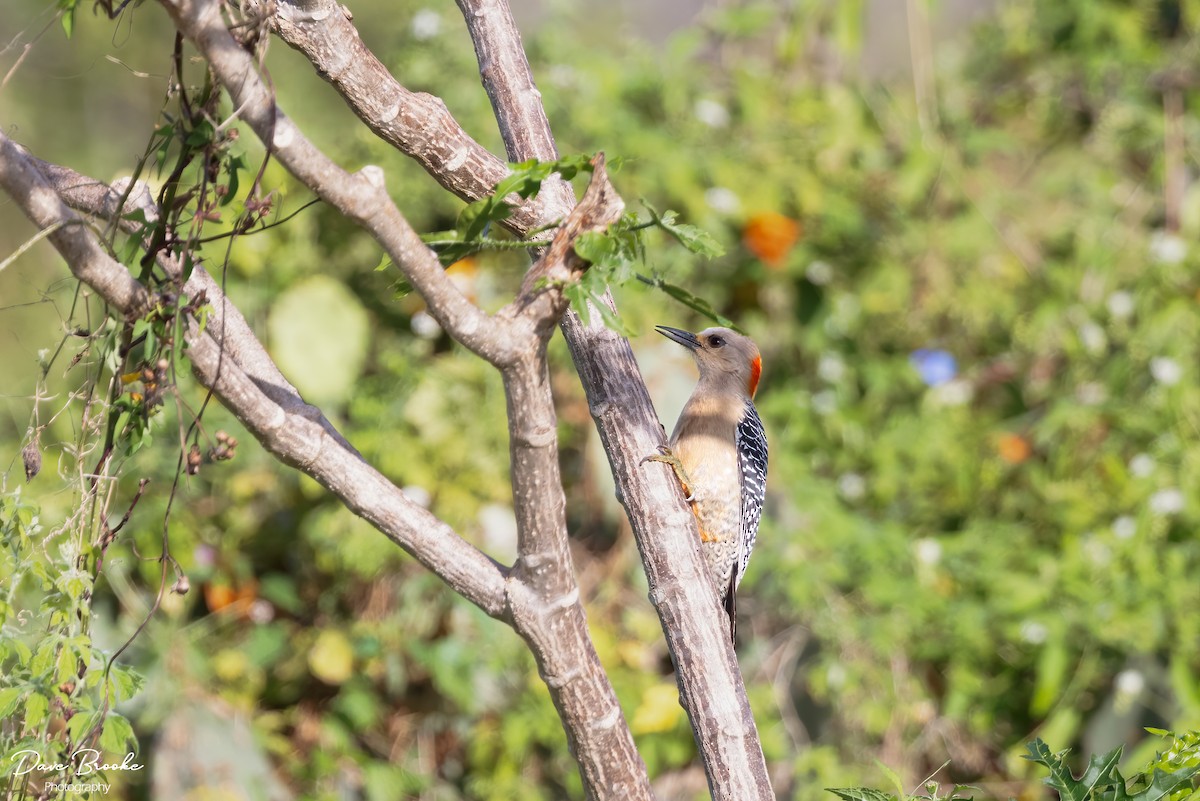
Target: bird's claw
[[668, 457]]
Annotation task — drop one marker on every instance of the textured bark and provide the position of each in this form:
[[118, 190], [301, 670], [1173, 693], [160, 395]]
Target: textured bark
[[539, 596], [663, 525], [544, 597], [361, 196], [693, 620], [696, 627], [285, 428], [416, 123]]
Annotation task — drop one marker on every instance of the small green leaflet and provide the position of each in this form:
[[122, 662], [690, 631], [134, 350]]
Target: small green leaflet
[[1102, 781], [694, 239], [860, 794], [693, 302], [68, 16]]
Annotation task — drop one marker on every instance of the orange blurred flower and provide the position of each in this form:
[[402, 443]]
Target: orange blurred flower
[[1013, 448], [770, 236], [220, 595], [463, 273]]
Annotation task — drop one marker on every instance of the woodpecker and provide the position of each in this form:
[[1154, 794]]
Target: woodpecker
[[719, 453]]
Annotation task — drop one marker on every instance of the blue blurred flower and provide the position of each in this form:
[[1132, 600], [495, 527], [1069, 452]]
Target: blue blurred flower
[[936, 367]]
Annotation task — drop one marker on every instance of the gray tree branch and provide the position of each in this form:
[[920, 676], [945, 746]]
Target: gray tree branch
[[361, 196], [544, 603], [416, 123], [664, 527], [98, 199], [548, 612], [710, 681], [283, 428]]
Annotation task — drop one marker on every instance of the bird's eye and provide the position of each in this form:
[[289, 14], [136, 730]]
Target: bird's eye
[[716, 342]]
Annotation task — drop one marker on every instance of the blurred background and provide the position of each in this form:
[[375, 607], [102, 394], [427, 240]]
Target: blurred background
[[964, 236]]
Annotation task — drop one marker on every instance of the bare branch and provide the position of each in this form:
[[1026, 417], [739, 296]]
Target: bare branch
[[546, 606], [541, 299], [416, 123], [516, 101], [291, 436], [696, 627], [545, 558], [361, 196], [710, 682]]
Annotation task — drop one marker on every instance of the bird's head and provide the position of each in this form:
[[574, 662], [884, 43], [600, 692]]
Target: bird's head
[[723, 356]]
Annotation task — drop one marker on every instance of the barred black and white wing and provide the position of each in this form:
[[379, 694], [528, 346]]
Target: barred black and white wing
[[751, 442]]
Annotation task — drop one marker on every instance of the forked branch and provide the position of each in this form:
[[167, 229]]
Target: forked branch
[[283, 430]]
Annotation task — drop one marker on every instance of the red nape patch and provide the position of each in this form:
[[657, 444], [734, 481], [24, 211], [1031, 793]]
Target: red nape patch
[[755, 374]]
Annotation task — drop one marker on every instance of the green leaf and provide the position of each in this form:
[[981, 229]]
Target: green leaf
[[691, 301], [473, 221], [893, 777], [9, 698], [68, 21], [201, 135], [860, 794], [24, 654], [1164, 784], [696, 240], [611, 318], [597, 248], [1101, 772], [37, 711], [125, 682], [117, 734], [234, 166], [82, 724], [39, 665], [577, 296]]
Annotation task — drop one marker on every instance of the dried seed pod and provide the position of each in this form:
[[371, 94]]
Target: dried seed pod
[[31, 455]]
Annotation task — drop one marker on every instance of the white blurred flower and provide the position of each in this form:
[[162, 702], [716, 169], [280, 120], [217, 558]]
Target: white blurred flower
[[852, 486], [1167, 502], [1091, 393], [1093, 338], [844, 317], [819, 272], [418, 495], [711, 113], [424, 326], [426, 24], [1095, 550], [1120, 304], [499, 525], [928, 551], [831, 368], [1167, 248], [1141, 465], [835, 675], [1033, 632], [1124, 527], [723, 200], [562, 75], [952, 393], [1166, 371], [824, 402], [1130, 683], [261, 611]]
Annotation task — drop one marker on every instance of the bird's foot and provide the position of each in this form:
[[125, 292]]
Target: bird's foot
[[668, 457]]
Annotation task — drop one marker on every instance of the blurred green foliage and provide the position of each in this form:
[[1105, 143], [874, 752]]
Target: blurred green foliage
[[979, 325]]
